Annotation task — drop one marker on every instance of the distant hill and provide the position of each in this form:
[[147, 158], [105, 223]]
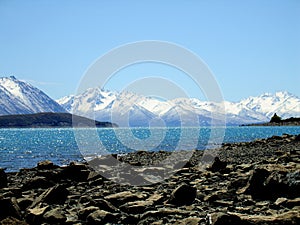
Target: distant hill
[[48, 120], [287, 122]]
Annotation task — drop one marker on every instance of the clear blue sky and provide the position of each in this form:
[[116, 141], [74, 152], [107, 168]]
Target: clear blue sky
[[251, 46]]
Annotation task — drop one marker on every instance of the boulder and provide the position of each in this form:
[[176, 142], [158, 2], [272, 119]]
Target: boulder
[[3, 178], [183, 195], [218, 165]]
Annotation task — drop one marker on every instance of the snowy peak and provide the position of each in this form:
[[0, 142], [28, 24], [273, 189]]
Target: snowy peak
[[283, 103], [19, 97]]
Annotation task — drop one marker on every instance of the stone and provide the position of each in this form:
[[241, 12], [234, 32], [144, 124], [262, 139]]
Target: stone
[[220, 218], [83, 213], [189, 221], [55, 216], [218, 165], [12, 221], [255, 186], [125, 196], [55, 195], [3, 178], [292, 203], [24, 202], [292, 182], [76, 172], [217, 195], [35, 215], [297, 138], [183, 195], [9, 208], [286, 218], [136, 207], [280, 201], [46, 165], [100, 217]]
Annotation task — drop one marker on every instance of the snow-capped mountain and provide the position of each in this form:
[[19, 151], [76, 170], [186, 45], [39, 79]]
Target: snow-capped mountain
[[137, 110], [19, 97]]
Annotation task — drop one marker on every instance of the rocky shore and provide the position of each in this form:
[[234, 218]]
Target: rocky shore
[[247, 183]]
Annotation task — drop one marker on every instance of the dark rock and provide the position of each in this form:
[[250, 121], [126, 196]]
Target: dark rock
[[220, 218], [183, 195], [297, 139], [37, 182], [76, 172], [218, 165], [55, 216], [24, 202], [3, 178], [55, 195], [9, 207], [255, 186]]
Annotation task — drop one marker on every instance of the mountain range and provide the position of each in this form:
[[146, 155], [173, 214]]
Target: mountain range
[[19, 97], [101, 104]]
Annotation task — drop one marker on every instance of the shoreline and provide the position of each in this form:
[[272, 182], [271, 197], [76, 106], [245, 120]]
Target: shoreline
[[248, 183]]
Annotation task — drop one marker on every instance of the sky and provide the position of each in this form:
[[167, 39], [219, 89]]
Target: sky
[[251, 47]]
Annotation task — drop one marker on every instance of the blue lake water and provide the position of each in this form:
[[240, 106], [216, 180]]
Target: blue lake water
[[21, 148]]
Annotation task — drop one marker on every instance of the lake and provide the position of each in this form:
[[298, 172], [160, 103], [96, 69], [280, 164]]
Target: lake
[[23, 148]]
